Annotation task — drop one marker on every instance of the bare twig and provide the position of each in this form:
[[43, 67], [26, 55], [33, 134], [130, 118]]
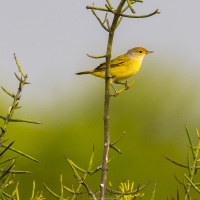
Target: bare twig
[[109, 4], [115, 148], [121, 136], [96, 170], [131, 3], [96, 57], [88, 189], [97, 8], [178, 180], [176, 163], [108, 9], [112, 145], [105, 18], [19, 67], [102, 23], [130, 6]]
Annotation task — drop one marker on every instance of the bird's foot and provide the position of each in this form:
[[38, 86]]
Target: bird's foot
[[115, 94], [127, 86]]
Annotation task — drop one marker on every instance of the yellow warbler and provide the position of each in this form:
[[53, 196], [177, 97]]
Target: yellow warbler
[[122, 67]]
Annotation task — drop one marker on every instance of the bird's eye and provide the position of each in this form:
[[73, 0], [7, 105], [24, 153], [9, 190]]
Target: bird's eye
[[140, 51]]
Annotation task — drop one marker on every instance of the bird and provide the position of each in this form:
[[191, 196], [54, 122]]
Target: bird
[[121, 67]]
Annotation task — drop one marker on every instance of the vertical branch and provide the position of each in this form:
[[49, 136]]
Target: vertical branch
[[107, 101], [118, 16], [16, 98]]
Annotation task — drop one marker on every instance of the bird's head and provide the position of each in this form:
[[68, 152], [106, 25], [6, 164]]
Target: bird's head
[[138, 53]]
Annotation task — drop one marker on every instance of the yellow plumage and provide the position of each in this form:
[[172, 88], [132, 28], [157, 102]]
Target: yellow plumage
[[122, 67]]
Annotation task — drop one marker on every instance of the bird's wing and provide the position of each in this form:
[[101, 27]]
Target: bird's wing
[[120, 60]]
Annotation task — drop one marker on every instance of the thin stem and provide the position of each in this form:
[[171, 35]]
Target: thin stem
[[16, 97], [130, 6], [108, 24], [82, 180], [120, 20], [108, 9], [97, 8], [96, 57], [134, 16], [102, 24], [109, 4], [107, 101], [105, 18]]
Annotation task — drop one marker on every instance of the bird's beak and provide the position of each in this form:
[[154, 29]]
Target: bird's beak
[[149, 52]]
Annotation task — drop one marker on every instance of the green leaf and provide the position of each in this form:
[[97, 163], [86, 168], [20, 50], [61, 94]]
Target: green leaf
[[24, 120], [20, 152], [191, 143], [195, 187], [6, 91]]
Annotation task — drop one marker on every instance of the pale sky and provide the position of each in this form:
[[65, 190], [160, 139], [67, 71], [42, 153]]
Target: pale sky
[[51, 39]]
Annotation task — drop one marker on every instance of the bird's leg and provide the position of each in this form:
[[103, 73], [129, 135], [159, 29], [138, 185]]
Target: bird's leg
[[116, 92], [127, 86], [119, 82]]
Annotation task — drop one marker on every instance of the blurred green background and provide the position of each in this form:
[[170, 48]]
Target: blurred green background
[[51, 47]]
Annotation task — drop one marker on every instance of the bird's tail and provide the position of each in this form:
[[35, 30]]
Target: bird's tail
[[85, 72]]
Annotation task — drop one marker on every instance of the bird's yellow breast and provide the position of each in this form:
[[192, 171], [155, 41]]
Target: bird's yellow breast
[[126, 70], [121, 71]]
